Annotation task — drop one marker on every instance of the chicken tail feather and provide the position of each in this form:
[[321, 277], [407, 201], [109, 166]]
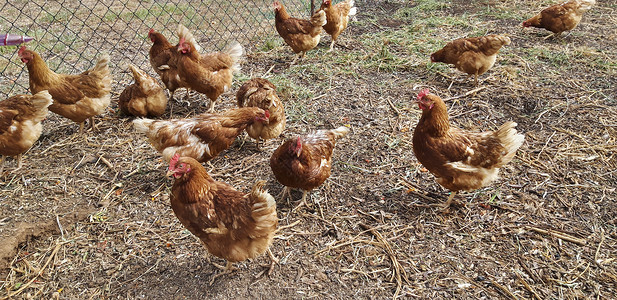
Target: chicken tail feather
[[510, 139], [319, 18], [352, 10], [138, 74], [585, 5], [235, 51], [41, 101], [101, 65], [101, 70], [339, 132], [142, 124], [263, 209]]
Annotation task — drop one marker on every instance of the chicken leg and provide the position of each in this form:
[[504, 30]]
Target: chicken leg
[[93, 125], [298, 57], [171, 95], [286, 191], [226, 270], [211, 108], [257, 144], [273, 261], [446, 206], [332, 46], [302, 202], [18, 163]]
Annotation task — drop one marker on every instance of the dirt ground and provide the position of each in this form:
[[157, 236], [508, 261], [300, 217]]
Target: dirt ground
[[91, 218]]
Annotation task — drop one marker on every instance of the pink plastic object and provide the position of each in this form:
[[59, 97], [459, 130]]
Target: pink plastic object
[[13, 39]]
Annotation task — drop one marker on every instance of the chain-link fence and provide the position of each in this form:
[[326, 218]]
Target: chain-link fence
[[70, 35]]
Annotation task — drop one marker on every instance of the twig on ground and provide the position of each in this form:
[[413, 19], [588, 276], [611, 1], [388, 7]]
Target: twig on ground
[[60, 227], [595, 257], [268, 72], [527, 286], [399, 271], [504, 290], [560, 235], [466, 94], [396, 110], [287, 226], [106, 162], [23, 287]]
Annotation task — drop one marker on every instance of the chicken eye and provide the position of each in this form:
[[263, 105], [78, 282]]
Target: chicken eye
[[182, 165]]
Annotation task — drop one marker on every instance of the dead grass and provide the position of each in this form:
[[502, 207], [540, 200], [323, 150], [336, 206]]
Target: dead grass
[[545, 230]]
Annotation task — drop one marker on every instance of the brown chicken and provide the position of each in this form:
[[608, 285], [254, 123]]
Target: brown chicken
[[259, 92], [460, 160], [144, 97], [337, 17], [163, 58], [300, 35], [20, 123], [473, 56], [232, 225], [164, 62], [202, 137], [305, 163], [210, 74], [77, 97], [560, 17]]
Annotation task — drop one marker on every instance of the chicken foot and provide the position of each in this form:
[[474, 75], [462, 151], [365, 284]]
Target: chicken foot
[[450, 199], [18, 163], [302, 202], [446, 206], [556, 35], [228, 269], [273, 261], [299, 56], [2, 159], [286, 192], [92, 126], [332, 46]]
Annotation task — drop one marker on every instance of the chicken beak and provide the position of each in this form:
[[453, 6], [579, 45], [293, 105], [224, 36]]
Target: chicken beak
[[170, 174], [419, 103]]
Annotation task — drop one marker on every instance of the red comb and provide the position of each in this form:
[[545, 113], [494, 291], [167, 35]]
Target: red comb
[[173, 161], [423, 94], [151, 30], [267, 114], [21, 50]]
